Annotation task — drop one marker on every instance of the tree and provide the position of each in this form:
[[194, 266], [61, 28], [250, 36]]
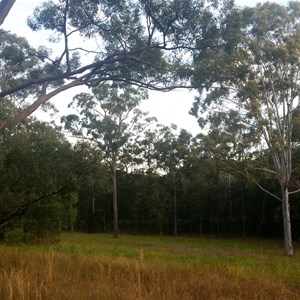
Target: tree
[[171, 151], [228, 144], [109, 118], [144, 42], [260, 73], [94, 187], [37, 176]]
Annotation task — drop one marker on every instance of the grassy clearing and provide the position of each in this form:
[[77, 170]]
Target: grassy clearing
[[96, 266]]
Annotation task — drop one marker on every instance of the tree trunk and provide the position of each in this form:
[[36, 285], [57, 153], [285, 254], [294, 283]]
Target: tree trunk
[[243, 211], [115, 200], [93, 198], [175, 203], [200, 226], [93, 205], [230, 204], [288, 244]]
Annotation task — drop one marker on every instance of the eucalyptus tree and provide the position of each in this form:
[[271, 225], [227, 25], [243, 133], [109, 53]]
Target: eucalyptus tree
[[154, 202], [109, 118], [141, 42], [171, 150], [260, 74]]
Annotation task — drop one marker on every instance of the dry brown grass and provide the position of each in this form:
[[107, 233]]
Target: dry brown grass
[[52, 275]]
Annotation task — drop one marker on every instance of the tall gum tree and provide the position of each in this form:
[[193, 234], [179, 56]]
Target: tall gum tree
[[260, 76], [143, 42], [109, 118]]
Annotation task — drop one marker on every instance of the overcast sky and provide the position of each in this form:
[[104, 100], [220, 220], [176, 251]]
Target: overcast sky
[[170, 107]]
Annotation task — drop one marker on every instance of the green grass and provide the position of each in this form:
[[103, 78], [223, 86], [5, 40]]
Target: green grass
[[248, 258], [150, 267]]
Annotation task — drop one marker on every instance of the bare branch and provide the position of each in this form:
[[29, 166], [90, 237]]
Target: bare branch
[[255, 181], [294, 192], [267, 170]]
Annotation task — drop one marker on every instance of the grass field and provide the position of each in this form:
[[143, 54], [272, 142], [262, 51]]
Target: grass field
[[96, 266]]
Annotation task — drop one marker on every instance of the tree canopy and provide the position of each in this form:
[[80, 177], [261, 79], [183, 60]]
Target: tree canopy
[[146, 43]]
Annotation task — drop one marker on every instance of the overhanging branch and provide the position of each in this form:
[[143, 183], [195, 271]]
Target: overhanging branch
[[5, 7], [39, 102]]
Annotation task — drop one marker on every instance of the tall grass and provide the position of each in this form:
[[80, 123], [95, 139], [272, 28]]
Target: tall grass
[[99, 267]]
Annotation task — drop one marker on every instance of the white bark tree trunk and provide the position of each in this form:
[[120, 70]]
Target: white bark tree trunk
[[115, 199], [288, 244]]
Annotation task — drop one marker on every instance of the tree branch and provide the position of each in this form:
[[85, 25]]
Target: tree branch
[[5, 7], [255, 181], [21, 211], [39, 102]]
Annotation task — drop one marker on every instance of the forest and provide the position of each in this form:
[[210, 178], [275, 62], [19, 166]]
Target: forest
[[125, 172]]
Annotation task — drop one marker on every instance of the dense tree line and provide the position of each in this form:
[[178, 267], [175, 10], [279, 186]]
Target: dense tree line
[[48, 185], [37, 192], [213, 198]]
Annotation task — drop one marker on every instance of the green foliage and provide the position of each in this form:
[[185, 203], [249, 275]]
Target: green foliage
[[146, 43], [103, 117], [94, 187], [260, 76], [109, 118], [22, 65], [37, 179], [16, 57]]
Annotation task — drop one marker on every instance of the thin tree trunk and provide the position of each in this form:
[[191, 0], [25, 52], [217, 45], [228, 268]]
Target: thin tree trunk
[[219, 215], [93, 198], [175, 203], [200, 226], [243, 210], [115, 200], [104, 213], [93, 205], [288, 244], [230, 204], [160, 229]]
